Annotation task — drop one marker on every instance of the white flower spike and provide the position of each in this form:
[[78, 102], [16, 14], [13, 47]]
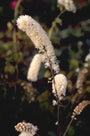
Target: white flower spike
[[68, 4], [59, 86], [34, 68], [40, 39]]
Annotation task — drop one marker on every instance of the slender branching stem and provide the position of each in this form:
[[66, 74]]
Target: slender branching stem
[[58, 118], [17, 9], [54, 24], [58, 107], [58, 104]]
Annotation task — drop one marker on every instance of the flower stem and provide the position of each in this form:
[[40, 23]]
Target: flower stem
[[68, 127], [58, 106], [17, 10], [14, 36], [54, 24], [58, 118]]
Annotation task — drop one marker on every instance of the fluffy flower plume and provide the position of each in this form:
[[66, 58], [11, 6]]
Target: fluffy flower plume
[[54, 102], [40, 39], [25, 134], [81, 79], [34, 68], [68, 4], [26, 129], [59, 85], [79, 108]]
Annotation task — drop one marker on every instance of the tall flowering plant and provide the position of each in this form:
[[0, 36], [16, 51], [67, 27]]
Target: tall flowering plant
[[46, 55]]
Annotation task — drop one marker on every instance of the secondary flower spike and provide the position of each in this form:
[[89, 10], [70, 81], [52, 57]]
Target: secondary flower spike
[[40, 39], [79, 108], [59, 85], [68, 4], [34, 68], [26, 129]]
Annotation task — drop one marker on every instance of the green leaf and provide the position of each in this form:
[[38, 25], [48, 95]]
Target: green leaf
[[47, 74], [66, 33], [1, 35], [74, 63], [1, 10], [19, 57], [51, 133], [57, 52], [77, 33], [9, 69], [59, 21], [88, 89], [43, 101], [71, 131], [43, 97]]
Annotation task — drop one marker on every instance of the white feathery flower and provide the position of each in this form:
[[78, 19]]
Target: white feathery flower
[[87, 58], [40, 39], [34, 31], [34, 68], [26, 129], [61, 2], [59, 86], [54, 102], [25, 134], [68, 4]]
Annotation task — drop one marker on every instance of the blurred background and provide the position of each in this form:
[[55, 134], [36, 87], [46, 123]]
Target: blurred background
[[21, 99]]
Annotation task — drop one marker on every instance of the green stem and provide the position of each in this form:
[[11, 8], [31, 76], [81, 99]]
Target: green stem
[[54, 24], [14, 35], [17, 10]]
